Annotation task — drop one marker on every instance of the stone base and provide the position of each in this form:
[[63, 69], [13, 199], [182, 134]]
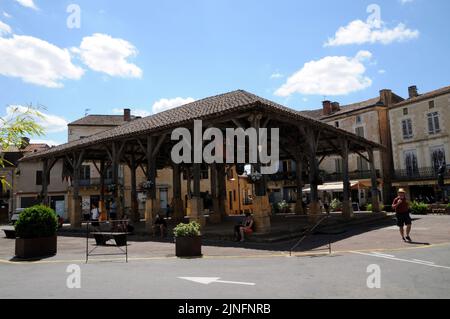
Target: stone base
[[196, 211], [347, 209], [75, 213], [216, 215], [299, 208], [178, 210], [314, 211], [261, 214], [150, 213]]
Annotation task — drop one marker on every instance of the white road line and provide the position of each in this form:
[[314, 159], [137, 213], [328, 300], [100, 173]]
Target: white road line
[[424, 261], [383, 255], [400, 259]]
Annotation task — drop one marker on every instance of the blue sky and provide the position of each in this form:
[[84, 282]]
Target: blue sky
[[153, 55]]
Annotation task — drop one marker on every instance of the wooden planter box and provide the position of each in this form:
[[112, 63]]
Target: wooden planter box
[[188, 246], [36, 247]]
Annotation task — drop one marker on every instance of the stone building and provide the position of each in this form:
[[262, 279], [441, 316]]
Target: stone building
[[420, 128]]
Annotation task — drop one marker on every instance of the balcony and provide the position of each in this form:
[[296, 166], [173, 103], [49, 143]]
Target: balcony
[[96, 182], [423, 173], [337, 177]]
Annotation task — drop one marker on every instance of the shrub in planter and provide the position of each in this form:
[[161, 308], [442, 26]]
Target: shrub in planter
[[188, 240], [369, 207], [336, 205], [418, 208], [36, 232]]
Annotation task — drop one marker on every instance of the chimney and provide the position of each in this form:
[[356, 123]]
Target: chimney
[[412, 92], [25, 142], [127, 115], [335, 107], [327, 108]]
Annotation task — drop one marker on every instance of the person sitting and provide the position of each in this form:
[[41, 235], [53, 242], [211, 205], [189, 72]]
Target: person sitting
[[246, 227], [161, 224], [125, 225], [95, 214]]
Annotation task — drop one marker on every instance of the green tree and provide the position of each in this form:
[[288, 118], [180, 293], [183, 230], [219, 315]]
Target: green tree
[[18, 123]]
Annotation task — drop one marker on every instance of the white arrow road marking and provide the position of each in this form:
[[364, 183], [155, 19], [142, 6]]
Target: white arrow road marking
[[424, 263], [210, 280]]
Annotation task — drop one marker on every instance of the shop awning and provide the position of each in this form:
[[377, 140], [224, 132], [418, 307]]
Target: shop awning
[[336, 187]]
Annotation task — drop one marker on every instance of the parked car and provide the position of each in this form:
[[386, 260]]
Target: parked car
[[14, 216]]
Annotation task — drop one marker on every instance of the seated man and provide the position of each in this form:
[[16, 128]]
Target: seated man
[[246, 227], [161, 224]]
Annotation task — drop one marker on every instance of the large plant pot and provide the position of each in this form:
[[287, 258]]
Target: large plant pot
[[188, 246], [36, 247]]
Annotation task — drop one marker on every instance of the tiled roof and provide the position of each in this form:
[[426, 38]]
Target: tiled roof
[[428, 95], [211, 107], [318, 114], [101, 120]]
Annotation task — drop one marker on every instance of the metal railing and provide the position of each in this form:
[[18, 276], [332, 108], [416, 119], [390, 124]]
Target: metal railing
[[97, 182], [421, 173], [311, 231]]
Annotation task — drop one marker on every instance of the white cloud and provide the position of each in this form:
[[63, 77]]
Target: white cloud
[[381, 71], [276, 75], [406, 1], [135, 112], [332, 75], [360, 32], [28, 4], [51, 123], [45, 141], [7, 15], [36, 61], [167, 104], [103, 53], [4, 28]]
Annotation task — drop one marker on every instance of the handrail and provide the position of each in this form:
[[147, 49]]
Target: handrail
[[309, 232]]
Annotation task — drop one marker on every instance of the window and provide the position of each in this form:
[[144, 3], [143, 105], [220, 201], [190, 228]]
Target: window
[[411, 164], [405, 111], [360, 131], [338, 165], [336, 124], [407, 129], [39, 178], [85, 172], [433, 123], [431, 104], [362, 164], [437, 156], [358, 119]]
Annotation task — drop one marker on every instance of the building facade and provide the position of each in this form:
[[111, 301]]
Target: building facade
[[420, 128]]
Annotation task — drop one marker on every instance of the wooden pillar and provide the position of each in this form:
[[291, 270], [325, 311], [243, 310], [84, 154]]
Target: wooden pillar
[[177, 201], [134, 200], [347, 210], [216, 216], [115, 173], [102, 204], [312, 141], [221, 190], [150, 203], [374, 181], [196, 203], [45, 180], [261, 206], [75, 203], [299, 175]]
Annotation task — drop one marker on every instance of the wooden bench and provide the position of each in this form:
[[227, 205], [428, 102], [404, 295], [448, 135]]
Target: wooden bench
[[102, 237]]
